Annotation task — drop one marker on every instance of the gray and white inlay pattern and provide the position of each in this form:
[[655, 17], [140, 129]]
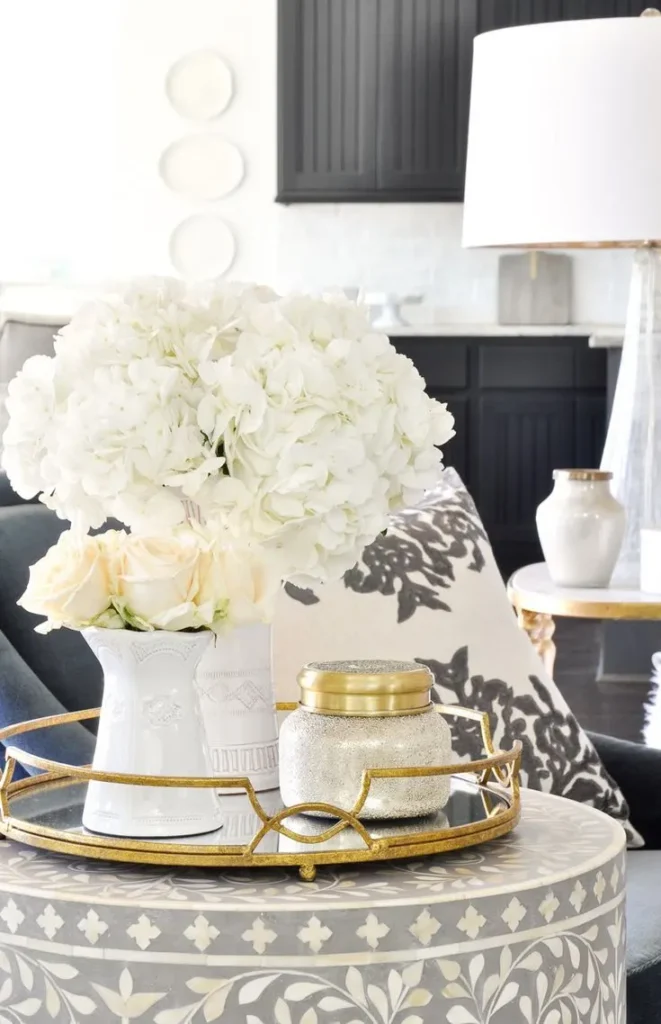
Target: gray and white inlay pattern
[[525, 930]]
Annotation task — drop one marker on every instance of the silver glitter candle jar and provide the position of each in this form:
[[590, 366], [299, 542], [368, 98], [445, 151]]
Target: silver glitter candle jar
[[355, 715]]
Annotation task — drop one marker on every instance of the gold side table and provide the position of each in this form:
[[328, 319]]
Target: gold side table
[[537, 600]]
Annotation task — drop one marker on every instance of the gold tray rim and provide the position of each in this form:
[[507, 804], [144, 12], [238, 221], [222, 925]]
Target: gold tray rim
[[500, 766]]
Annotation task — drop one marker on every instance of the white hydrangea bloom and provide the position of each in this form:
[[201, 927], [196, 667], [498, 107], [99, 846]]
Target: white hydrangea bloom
[[288, 421]]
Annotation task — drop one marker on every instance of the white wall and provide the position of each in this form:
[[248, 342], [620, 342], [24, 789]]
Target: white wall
[[416, 248], [154, 34], [57, 84], [84, 119]]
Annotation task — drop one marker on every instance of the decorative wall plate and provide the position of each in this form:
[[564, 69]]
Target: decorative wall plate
[[199, 85], [202, 247], [202, 167]]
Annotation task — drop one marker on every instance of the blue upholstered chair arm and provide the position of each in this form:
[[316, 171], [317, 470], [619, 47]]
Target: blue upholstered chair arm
[[24, 696], [637, 771], [8, 496]]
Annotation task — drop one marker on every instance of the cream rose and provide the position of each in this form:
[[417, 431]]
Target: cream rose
[[111, 547], [158, 582], [183, 580], [70, 585], [240, 583]]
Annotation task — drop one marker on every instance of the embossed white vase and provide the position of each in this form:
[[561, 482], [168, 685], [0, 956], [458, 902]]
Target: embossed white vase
[[150, 724], [235, 684]]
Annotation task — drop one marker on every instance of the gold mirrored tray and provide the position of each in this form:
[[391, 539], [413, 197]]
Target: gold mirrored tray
[[45, 811]]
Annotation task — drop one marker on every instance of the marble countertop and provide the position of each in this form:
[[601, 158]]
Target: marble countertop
[[607, 337], [42, 304], [57, 303], [600, 335]]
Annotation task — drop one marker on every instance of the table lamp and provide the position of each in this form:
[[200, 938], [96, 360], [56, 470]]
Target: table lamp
[[564, 151]]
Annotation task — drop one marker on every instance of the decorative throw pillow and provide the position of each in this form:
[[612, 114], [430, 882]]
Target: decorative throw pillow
[[430, 591]]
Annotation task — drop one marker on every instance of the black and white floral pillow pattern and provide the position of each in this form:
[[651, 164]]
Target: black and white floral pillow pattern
[[555, 752], [430, 590], [414, 561]]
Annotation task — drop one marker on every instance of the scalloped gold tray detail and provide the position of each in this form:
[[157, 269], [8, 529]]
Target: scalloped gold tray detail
[[45, 811]]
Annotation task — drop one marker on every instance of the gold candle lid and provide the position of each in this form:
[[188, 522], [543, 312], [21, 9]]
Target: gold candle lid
[[364, 688]]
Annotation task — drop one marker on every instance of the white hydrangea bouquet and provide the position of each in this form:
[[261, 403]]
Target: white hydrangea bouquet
[[285, 422]]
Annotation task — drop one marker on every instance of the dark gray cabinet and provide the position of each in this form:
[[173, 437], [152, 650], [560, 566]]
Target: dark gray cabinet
[[504, 13], [373, 95], [523, 437], [423, 96], [327, 74], [578, 9], [373, 98], [524, 407], [445, 365]]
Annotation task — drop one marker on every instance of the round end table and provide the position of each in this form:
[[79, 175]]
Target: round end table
[[528, 928], [537, 600]]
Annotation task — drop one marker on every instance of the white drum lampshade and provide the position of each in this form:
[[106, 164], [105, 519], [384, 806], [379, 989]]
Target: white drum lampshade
[[564, 151], [564, 143]]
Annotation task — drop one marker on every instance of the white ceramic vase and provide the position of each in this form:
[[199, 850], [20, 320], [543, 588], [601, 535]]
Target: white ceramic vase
[[235, 684], [581, 527], [150, 724]]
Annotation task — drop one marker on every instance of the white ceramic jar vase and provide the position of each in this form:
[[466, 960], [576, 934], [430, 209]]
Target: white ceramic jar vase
[[358, 715], [581, 527], [150, 724], [235, 685]]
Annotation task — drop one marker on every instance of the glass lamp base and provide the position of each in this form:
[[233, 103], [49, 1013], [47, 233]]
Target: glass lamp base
[[633, 444], [650, 560]]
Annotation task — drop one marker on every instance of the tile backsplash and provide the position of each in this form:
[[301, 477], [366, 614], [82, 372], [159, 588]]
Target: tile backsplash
[[415, 248]]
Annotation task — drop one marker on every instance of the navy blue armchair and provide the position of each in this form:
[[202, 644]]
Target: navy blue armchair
[[39, 675]]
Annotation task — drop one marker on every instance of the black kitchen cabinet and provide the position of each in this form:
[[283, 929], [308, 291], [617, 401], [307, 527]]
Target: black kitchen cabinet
[[373, 95], [577, 9], [373, 98], [504, 13], [524, 407], [423, 96], [327, 75]]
